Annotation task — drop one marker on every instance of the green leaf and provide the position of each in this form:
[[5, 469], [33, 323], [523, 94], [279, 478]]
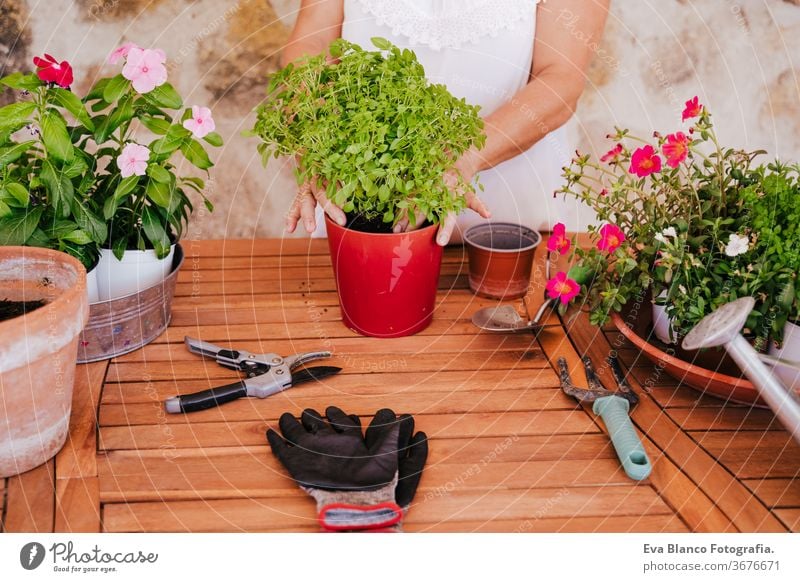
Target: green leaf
[[118, 247], [96, 92], [16, 113], [159, 193], [155, 232], [122, 113], [155, 124], [12, 153], [165, 96], [194, 151], [5, 210], [17, 229], [88, 221], [115, 88], [381, 43], [159, 173], [171, 141], [19, 192], [78, 236], [22, 81], [125, 187], [58, 186], [56, 138], [214, 139], [69, 101]]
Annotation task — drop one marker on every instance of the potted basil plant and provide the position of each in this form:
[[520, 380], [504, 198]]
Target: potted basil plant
[[46, 179], [369, 128], [138, 126]]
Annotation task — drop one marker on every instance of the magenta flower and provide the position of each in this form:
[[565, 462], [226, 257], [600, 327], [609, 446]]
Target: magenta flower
[[200, 123], [611, 237], [693, 109], [676, 149], [145, 69], [562, 288], [558, 241], [645, 161], [50, 70], [133, 160], [121, 52], [613, 154]]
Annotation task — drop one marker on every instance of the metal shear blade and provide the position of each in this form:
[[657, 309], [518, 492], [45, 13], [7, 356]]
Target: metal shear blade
[[595, 389]]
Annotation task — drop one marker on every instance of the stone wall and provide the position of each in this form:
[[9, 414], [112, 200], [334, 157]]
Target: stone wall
[[742, 57]]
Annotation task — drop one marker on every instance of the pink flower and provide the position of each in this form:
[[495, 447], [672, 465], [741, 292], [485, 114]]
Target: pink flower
[[558, 241], [121, 52], [613, 154], [51, 71], [200, 123], [145, 69], [133, 160], [611, 237], [604, 192], [645, 161], [692, 109], [676, 149], [562, 288]]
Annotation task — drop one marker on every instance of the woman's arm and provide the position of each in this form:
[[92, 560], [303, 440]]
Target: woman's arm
[[567, 34], [319, 23]]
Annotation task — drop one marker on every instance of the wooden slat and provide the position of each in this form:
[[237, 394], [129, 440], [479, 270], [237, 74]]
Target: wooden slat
[[784, 493], [791, 517], [3, 504], [77, 505], [78, 457], [607, 524], [221, 434], [754, 454], [740, 419], [373, 384], [268, 514], [31, 500]]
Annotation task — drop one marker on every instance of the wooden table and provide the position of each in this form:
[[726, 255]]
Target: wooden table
[[509, 451]]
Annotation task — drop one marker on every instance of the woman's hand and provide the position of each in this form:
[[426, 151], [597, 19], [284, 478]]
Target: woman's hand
[[467, 170], [304, 205]]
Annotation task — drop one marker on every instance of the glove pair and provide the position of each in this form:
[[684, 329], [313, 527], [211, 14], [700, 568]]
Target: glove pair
[[360, 482]]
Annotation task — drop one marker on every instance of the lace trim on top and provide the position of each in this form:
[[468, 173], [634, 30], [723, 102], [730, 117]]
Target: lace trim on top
[[450, 24]]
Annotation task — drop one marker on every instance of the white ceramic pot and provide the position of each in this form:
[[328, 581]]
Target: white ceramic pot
[[661, 324], [790, 350], [138, 270], [91, 285]]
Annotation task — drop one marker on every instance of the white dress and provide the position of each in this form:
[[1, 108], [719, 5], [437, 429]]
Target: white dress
[[481, 50]]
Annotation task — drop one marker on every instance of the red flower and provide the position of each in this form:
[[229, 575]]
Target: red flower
[[693, 109], [51, 71], [676, 149], [613, 154], [645, 161], [604, 192], [610, 238], [562, 287], [558, 240]]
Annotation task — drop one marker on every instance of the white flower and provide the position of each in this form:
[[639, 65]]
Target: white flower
[[737, 245], [662, 236]]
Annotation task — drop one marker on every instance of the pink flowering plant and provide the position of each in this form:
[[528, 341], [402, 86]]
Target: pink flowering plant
[[678, 220], [140, 124]]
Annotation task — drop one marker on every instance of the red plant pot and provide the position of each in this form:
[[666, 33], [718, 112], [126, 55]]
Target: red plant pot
[[386, 282]]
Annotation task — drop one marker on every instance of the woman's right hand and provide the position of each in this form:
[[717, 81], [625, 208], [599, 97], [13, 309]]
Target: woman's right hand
[[304, 207]]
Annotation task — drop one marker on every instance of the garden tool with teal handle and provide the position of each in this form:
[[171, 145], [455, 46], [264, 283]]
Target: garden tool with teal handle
[[613, 408]]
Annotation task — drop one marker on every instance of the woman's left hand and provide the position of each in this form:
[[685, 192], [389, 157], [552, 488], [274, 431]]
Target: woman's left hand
[[448, 225]]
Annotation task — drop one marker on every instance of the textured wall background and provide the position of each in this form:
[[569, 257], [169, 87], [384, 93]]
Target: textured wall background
[[741, 56]]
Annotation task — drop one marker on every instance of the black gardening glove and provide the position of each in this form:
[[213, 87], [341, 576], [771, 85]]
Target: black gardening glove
[[359, 482]]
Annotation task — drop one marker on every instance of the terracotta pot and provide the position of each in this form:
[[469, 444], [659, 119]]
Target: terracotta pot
[[38, 353], [709, 371], [386, 282], [500, 259]]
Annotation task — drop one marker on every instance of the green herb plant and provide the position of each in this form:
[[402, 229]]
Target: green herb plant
[[369, 128]]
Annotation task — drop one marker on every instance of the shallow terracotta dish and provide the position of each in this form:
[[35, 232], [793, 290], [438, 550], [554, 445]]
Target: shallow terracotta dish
[[717, 376]]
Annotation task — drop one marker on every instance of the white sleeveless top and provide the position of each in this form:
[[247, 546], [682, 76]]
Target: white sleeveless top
[[481, 50]]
